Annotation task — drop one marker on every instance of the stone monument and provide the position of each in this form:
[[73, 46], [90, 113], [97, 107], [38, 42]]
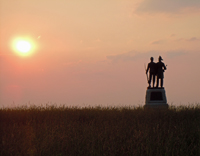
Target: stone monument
[[155, 96]]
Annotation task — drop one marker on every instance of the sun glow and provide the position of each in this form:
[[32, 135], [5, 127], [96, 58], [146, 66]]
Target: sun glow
[[23, 46]]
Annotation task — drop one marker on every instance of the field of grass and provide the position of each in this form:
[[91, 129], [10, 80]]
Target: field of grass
[[99, 131]]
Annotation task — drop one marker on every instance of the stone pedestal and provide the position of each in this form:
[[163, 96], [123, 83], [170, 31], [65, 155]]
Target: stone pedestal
[[155, 98]]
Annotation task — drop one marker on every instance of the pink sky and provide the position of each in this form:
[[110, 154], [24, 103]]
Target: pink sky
[[93, 52]]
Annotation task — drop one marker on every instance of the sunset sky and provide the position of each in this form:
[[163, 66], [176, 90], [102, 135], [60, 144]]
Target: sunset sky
[[93, 52]]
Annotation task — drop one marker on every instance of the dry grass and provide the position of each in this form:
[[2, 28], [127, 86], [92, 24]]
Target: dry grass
[[100, 131]]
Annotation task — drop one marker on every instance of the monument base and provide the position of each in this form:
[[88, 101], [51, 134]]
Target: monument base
[[156, 98]]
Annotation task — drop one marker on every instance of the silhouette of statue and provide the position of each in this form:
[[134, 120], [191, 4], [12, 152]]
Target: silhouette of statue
[[160, 69], [152, 72]]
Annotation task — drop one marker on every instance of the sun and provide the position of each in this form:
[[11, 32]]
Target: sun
[[23, 46]]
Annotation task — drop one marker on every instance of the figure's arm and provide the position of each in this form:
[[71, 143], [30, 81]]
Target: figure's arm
[[164, 67], [147, 69]]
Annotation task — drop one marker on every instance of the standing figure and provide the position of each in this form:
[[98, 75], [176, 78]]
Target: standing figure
[[160, 68], [152, 71]]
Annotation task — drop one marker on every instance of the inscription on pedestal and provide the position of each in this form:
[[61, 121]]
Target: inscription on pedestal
[[156, 96]]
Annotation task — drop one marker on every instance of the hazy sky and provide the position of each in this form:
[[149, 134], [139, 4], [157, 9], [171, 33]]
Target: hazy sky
[[93, 52]]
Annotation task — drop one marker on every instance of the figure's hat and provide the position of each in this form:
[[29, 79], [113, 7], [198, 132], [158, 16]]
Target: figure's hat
[[160, 58]]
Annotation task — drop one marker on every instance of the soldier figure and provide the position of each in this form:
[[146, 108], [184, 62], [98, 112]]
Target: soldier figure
[[152, 72], [160, 68]]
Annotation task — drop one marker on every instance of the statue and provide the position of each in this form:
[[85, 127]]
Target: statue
[[156, 70], [160, 69], [152, 72], [155, 96]]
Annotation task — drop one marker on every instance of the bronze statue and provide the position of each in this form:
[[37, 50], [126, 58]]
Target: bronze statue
[[156, 70], [160, 69], [152, 72]]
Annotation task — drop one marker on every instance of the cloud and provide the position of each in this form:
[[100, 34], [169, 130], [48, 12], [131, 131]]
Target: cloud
[[173, 54], [167, 6], [193, 39], [134, 56], [158, 42], [172, 35], [131, 56]]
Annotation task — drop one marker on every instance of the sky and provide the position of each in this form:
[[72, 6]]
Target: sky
[[89, 53]]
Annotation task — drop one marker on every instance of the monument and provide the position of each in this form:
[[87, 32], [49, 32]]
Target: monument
[[155, 96]]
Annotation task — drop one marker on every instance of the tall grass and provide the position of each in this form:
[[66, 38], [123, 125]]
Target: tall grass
[[100, 131]]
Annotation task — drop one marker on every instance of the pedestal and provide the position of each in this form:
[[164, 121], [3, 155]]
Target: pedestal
[[156, 98]]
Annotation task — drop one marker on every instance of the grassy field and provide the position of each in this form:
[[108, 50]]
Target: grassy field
[[99, 131]]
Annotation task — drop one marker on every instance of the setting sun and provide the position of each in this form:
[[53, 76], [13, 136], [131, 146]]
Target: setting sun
[[23, 46]]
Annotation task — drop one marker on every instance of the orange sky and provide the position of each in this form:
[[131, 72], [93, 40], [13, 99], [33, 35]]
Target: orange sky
[[93, 52]]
